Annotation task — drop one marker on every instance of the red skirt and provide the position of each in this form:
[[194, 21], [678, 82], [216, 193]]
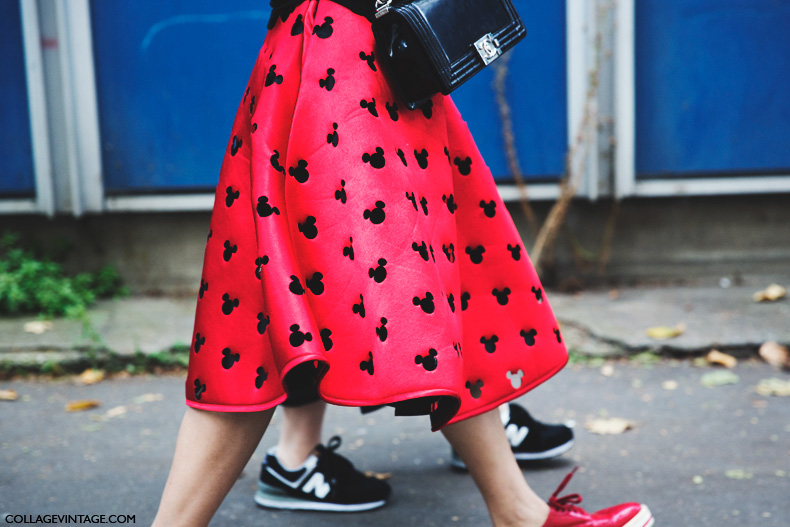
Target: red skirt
[[361, 243]]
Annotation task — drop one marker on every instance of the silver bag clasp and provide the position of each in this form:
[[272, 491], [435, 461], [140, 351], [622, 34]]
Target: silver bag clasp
[[488, 48]]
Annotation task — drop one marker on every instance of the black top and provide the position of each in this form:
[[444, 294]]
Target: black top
[[283, 8]]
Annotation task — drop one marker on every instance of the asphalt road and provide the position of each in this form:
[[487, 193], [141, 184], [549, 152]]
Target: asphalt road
[[697, 455]]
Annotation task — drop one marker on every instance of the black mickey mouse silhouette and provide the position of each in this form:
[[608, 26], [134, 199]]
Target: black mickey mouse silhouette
[[229, 359], [449, 252], [246, 93], [379, 273], [259, 263], [349, 251], [429, 362], [252, 104], [427, 109], [557, 334], [369, 59], [422, 158], [271, 78], [375, 159], [254, 127], [359, 309], [424, 205], [299, 172], [538, 292], [430, 248], [381, 331], [324, 30], [392, 110], [263, 323], [329, 82], [231, 196], [203, 288], [465, 297], [264, 209], [370, 105], [451, 301], [340, 194], [314, 283], [464, 165], [515, 251], [529, 336], [326, 339], [489, 343], [308, 228], [422, 249], [200, 389], [367, 365], [296, 286], [450, 202], [262, 375], [229, 251], [332, 138], [489, 209], [274, 160], [228, 304], [297, 338], [298, 27], [457, 348], [501, 296], [376, 215], [474, 389], [199, 341], [447, 154], [426, 304], [476, 253], [402, 157], [235, 145], [410, 197]]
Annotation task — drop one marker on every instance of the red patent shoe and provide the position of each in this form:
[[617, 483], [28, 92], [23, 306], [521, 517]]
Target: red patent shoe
[[564, 512]]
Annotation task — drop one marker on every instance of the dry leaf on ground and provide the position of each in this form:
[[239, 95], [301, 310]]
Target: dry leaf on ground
[[82, 404], [609, 425], [91, 376], [670, 385], [378, 475], [8, 395], [116, 411], [770, 294], [665, 332], [775, 354], [773, 386], [38, 327], [738, 473], [722, 359], [719, 378], [148, 398]]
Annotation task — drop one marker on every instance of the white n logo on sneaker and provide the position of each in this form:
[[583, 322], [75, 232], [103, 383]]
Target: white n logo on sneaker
[[317, 485], [516, 434]]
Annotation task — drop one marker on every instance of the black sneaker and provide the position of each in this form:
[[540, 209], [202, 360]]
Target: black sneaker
[[529, 439], [325, 482]]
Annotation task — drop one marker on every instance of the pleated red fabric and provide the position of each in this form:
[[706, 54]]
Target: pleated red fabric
[[363, 241]]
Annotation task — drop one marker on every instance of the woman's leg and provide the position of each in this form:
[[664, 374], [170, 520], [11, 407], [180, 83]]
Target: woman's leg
[[211, 451], [484, 448], [302, 427]]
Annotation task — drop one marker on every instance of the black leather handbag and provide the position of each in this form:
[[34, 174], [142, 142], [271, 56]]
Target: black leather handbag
[[432, 46]]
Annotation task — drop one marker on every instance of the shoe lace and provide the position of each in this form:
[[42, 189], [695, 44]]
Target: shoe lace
[[332, 464], [569, 502]]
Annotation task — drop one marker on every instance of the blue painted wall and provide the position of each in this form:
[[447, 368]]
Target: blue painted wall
[[713, 87], [16, 152], [171, 74]]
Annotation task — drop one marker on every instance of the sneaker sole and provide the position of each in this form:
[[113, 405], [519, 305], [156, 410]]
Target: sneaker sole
[[644, 518], [458, 464], [275, 499]]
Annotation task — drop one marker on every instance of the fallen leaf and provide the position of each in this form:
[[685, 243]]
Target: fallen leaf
[[770, 294], [91, 376], [670, 385], [697, 480], [719, 378], [378, 475], [38, 327], [148, 398], [82, 404], [775, 354], [773, 386], [609, 426], [665, 332], [607, 370], [116, 411], [722, 359], [8, 395], [738, 473]]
